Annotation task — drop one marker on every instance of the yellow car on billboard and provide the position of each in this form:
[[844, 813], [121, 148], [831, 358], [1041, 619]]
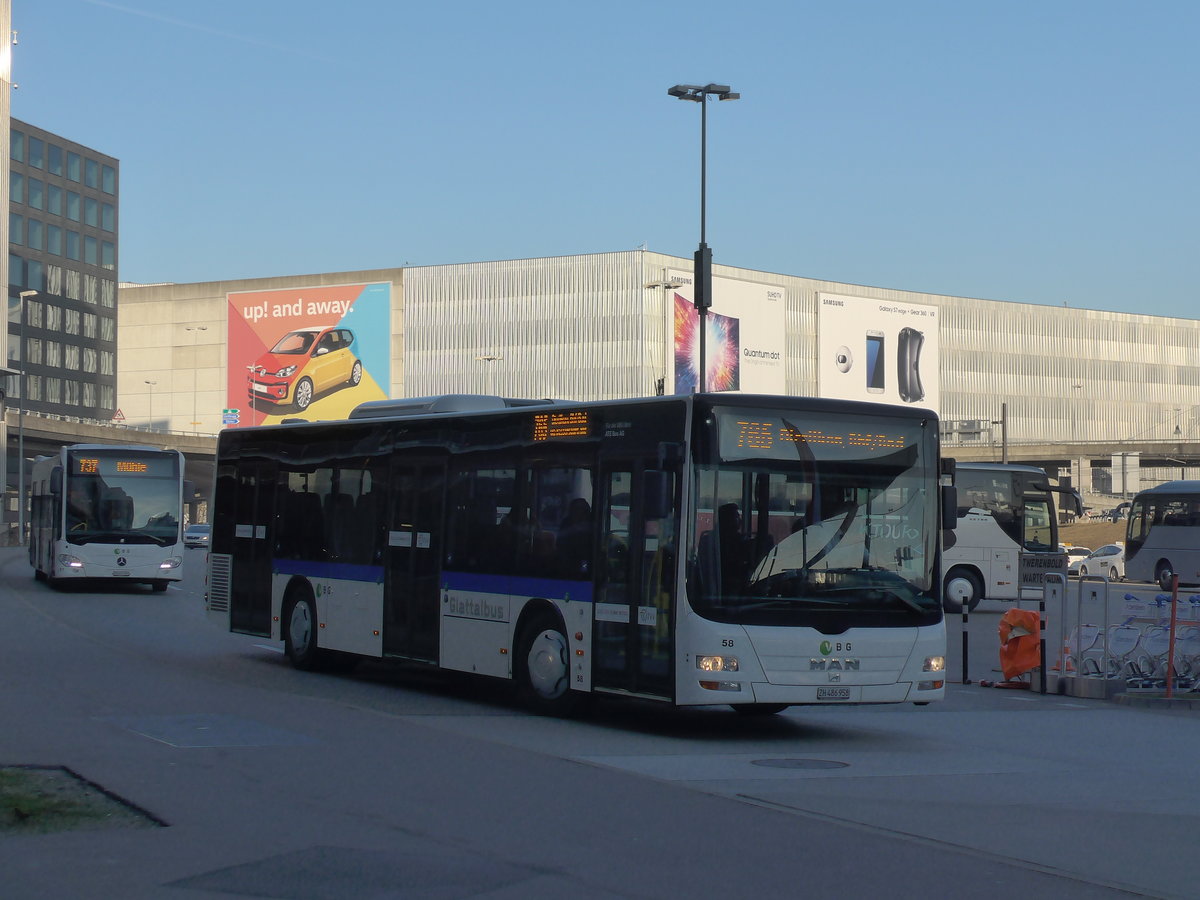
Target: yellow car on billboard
[[302, 364]]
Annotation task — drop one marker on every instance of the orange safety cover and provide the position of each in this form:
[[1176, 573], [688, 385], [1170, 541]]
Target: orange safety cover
[[1020, 643]]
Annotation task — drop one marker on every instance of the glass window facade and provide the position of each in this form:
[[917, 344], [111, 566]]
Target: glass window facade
[[63, 244]]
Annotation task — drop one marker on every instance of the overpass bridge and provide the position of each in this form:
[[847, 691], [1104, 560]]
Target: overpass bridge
[[1060, 456]]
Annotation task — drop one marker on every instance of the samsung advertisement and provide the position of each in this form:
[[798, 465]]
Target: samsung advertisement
[[744, 346], [877, 350]]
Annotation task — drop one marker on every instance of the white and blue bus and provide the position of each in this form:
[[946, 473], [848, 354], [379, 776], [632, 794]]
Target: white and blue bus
[[107, 511], [754, 551], [1162, 537]]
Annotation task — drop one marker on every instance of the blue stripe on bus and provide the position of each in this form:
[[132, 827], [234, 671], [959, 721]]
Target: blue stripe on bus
[[520, 585], [340, 571]]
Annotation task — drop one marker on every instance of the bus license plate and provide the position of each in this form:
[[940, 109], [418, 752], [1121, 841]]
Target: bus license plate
[[833, 693]]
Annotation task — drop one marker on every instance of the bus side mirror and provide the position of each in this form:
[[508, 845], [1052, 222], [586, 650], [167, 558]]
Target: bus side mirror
[[949, 497], [657, 490], [56, 481]]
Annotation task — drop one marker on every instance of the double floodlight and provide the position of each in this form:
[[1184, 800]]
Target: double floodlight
[[697, 93]]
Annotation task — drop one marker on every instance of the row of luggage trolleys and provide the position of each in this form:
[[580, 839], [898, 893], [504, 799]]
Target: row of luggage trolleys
[[1135, 650]]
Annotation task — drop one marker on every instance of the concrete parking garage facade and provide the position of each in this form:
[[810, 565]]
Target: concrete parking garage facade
[[598, 326]]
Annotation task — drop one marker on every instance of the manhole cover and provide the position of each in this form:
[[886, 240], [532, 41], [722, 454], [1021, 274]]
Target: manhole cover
[[801, 763]]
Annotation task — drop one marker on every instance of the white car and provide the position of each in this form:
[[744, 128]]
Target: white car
[[1075, 555], [1108, 560], [196, 536]]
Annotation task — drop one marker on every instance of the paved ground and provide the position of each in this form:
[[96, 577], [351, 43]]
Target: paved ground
[[390, 783]]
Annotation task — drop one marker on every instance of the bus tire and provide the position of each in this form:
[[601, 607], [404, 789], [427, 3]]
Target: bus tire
[[300, 630], [304, 393], [158, 585], [543, 667], [961, 586], [1163, 573], [759, 709]]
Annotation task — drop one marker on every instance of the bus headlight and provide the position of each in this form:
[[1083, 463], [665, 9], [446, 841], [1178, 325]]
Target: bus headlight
[[934, 664], [173, 562], [69, 561], [717, 663]]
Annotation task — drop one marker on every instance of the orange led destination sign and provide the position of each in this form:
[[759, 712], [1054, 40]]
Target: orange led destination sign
[[765, 436], [549, 426], [89, 465]]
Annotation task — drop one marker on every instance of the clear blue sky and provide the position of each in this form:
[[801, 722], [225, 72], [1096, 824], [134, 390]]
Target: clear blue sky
[[1035, 151]]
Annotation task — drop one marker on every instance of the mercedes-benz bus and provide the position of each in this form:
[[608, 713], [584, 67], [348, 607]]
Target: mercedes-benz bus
[[754, 551], [106, 511]]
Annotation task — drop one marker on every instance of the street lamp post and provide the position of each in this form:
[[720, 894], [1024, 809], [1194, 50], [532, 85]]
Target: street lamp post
[[152, 384], [702, 269], [195, 368], [25, 295]]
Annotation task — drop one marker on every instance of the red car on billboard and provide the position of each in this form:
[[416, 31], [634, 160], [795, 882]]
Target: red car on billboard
[[302, 364]]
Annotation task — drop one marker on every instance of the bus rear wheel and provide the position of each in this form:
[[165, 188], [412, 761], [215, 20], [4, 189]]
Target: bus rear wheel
[[961, 587], [300, 631], [543, 668]]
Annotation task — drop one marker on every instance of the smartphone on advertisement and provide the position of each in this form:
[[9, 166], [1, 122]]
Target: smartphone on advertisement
[[875, 363]]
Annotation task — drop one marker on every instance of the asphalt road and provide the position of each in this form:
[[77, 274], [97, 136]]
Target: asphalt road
[[391, 782]]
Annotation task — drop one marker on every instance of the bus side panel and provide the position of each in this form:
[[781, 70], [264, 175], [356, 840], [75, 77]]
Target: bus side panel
[[477, 624], [349, 601]]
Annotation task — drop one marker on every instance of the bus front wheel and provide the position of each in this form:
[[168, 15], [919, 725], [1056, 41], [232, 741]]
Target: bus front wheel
[[961, 587], [544, 667], [159, 585], [1163, 574]]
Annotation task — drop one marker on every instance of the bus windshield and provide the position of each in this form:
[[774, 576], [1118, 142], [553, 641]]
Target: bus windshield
[[797, 519], [129, 500]]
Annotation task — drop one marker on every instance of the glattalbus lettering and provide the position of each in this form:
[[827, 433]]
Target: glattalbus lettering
[[476, 608]]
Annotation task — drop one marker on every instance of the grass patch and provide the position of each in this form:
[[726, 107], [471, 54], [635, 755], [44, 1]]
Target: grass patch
[[46, 799]]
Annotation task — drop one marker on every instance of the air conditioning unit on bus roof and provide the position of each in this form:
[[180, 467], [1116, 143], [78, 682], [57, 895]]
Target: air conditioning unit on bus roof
[[444, 403]]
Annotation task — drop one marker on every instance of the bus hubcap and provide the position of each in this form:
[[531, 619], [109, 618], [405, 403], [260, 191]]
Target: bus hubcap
[[960, 590], [300, 627], [548, 663]]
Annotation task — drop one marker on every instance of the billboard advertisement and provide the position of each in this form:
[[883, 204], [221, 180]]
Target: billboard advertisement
[[744, 339], [877, 350], [307, 353]]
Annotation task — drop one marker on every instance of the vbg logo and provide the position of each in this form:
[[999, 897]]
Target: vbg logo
[[826, 647]]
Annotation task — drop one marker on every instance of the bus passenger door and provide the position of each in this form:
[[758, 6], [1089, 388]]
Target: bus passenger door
[[253, 489], [634, 603], [412, 559]]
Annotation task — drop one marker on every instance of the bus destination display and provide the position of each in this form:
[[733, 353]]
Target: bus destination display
[[551, 426], [743, 436], [82, 464]]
